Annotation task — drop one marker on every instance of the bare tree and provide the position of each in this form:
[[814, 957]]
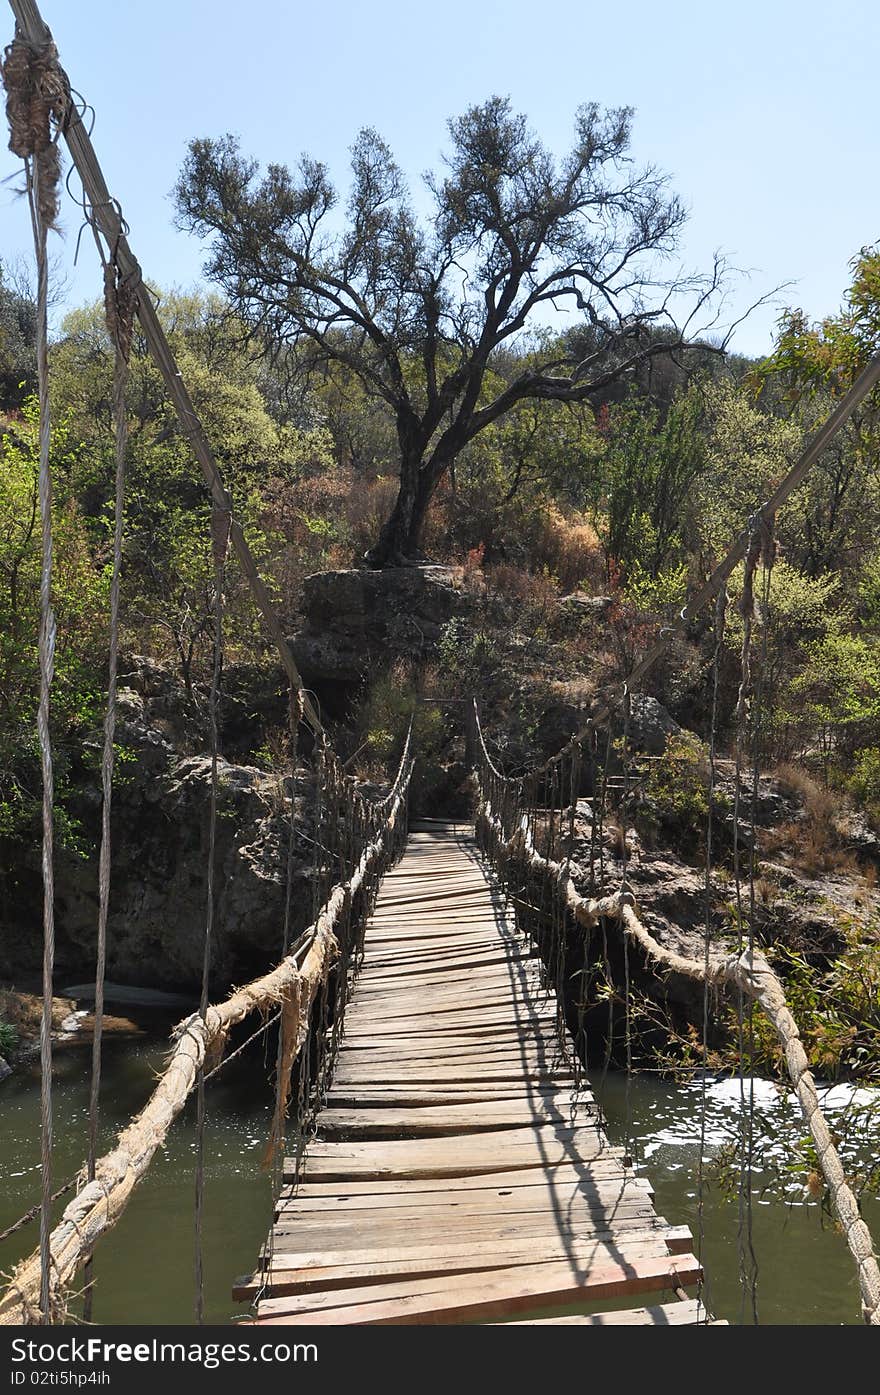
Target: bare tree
[[417, 312]]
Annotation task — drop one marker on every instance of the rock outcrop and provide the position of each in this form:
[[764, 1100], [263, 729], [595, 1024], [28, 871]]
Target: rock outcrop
[[160, 836], [354, 620]]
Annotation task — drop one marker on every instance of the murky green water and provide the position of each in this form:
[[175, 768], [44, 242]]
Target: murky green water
[[804, 1270], [144, 1269]]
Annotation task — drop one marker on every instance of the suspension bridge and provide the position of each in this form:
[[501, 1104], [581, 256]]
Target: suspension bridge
[[436, 1154]]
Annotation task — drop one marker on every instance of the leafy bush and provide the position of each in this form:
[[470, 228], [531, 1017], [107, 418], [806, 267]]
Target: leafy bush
[[864, 782], [676, 790], [837, 1009], [464, 653], [8, 1038], [649, 593]]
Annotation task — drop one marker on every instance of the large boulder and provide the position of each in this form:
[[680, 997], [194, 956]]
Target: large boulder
[[650, 725], [356, 619], [158, 902]]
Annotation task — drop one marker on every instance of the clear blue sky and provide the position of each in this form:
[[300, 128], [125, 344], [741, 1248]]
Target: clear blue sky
[[763, 114]]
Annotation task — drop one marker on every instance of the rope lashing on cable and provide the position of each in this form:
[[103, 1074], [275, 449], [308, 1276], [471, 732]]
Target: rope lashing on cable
[[37, 102]]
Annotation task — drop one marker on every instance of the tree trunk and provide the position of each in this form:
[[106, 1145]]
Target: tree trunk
[[399, 542]]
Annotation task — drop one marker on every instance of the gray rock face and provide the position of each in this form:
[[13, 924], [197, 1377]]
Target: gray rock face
[[650, 725], [580, 603], [160, 839], [5, 1069], [158, 901], [354, 619]]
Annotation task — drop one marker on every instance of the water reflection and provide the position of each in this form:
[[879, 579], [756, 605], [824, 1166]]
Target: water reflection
[[804, 1270], [144, 1268]]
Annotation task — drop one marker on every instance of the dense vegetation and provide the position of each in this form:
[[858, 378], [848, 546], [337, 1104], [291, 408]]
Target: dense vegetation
[[629, 482]]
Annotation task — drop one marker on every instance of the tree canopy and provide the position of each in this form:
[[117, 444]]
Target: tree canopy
[[419, 311]]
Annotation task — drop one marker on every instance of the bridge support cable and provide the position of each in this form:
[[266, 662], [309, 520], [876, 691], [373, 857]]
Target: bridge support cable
[[36, 108], [119, 305], [720, 620], [33, 32], [507, 840], [219, 548], [99, 1204]]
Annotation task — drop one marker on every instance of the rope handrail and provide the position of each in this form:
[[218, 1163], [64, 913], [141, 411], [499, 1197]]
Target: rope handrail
[[749, 972], [98, 1205]]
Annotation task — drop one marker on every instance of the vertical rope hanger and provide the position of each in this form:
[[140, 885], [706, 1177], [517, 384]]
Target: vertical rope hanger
[[220, 523], [767, 557], [720, 621], [624, 888], [119, 307], [290, 1009], [745, 1248], [37, 101]]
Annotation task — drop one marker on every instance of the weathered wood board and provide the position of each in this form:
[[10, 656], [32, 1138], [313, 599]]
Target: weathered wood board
[[459, 1172]]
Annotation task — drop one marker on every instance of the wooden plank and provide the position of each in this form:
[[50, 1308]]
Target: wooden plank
[[690, 1313], [430, 971], [577, 1199], [383, 1226], [532, 1019], [386, 1225], [337, 1166], [429, 1074], [513, 1049], [446, 1252], [448, 1119], [564, 1172], [472, 1298], [282, 1278], [420, 1096], [445, 1029]]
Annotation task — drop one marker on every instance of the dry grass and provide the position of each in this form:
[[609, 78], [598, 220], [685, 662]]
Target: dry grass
[[521, 586], [813, 842], [798, 782], [568, 548], [767, 891], [24, 1012]]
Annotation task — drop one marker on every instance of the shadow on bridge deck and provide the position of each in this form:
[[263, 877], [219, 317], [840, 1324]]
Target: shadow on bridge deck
[[459, 1174]]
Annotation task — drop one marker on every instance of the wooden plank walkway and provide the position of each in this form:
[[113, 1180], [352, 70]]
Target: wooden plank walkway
[[457, 1177]]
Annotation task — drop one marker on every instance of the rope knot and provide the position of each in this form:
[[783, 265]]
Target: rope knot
[[37, 100], [120, 302]]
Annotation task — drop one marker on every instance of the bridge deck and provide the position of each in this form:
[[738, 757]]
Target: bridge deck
[[457, 1177]]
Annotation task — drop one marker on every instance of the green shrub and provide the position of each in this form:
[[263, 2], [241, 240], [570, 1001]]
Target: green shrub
[[837, 1010], [864, 782], [8, 1038], [676, 791]]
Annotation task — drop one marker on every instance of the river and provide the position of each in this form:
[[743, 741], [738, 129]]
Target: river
[[144, 1269]]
